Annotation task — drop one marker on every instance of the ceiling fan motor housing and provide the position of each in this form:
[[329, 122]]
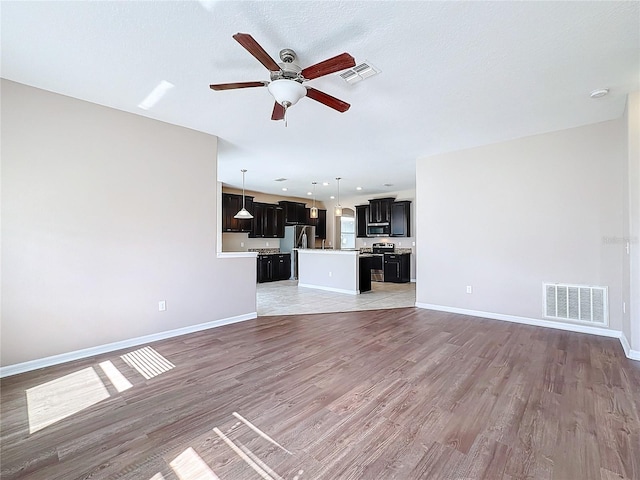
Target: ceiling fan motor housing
[[288, 69]]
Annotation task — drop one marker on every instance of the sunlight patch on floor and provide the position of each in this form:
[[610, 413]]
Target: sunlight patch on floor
[[117, 379], [60, 398], [190, 466], [147, 362]]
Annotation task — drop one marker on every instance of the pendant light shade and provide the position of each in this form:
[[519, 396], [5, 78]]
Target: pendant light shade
[[338, 210], [243, 214], [313, 213]]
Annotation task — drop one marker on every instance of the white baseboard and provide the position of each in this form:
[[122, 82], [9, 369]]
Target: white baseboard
[[329, 289], [111, 347], [604, 332]]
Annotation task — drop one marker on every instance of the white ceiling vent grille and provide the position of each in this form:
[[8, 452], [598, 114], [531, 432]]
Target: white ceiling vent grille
[[578, 303], [359, 72]]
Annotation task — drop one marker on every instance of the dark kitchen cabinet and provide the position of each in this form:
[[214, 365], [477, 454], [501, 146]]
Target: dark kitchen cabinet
[[366, 264], [362, 218], [401, 219], [380, 210], [283, 266], [320, 223], [294, 212], [397, 267], [231, 204], [271, 268], [268, 221]]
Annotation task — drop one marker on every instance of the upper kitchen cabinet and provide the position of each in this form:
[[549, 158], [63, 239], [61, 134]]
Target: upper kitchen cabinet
[[268, 221], [362, 218], [395, 223], [294, 212], [380, 210], [231, 204], [320, 223], [401, 219]]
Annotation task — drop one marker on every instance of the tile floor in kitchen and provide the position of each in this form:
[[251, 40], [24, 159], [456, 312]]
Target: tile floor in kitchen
[[285, 298]]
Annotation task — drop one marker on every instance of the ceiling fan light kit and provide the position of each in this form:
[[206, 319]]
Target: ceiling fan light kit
[[286, 92], [287, 77]]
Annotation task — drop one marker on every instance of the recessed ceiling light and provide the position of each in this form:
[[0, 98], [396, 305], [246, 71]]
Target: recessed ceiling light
[[601, 92], [284, 189], [324, 184], [358, 188], [309, 193], [332, 197]]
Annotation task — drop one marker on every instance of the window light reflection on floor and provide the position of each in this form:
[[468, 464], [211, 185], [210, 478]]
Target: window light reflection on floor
[[190, 466], [60, 398], [117, 379], [147, 362]]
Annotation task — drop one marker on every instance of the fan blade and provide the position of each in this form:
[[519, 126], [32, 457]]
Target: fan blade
[[335, 64], [278, 112], [230, 86], [254, 48], [327, 99]]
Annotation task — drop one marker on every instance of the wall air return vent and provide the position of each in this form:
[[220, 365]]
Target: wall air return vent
[[577, 303]]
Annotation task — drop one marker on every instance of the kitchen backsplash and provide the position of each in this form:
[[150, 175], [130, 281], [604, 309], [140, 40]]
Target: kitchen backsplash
[[397, 250], [265, 251]]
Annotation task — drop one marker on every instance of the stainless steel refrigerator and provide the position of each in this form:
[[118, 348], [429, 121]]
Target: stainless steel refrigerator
[[294, 238]]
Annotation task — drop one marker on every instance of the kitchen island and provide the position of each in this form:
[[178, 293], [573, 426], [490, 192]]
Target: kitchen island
[[332, 270]]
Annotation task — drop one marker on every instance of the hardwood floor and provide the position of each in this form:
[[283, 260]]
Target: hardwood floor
[[402, 393]]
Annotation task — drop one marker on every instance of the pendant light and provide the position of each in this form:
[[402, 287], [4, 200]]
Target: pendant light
[[314, 210], [338, 209], [243, 214]]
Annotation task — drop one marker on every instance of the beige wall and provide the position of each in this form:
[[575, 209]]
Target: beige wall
[[505, 218], [104, 214], [633, 139]]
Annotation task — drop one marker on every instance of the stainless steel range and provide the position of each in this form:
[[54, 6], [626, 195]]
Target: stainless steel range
[[378, 250], [382, 248]]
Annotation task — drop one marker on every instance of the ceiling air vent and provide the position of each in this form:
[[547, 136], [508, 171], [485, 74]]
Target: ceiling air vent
[[359, 72], [578, 303]]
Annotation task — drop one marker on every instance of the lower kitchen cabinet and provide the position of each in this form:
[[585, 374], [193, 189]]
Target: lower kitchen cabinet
[[274, 267], [397, 267], [366, 263]]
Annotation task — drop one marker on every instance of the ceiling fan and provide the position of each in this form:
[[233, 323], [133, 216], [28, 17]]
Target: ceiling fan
[[287, 78]]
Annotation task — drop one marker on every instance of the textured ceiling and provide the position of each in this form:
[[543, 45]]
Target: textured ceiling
[[453, 75]]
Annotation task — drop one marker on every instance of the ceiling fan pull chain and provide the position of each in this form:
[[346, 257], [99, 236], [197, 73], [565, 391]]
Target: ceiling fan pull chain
[[284, 117]]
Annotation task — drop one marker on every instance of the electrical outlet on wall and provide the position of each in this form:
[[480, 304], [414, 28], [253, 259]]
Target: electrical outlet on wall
[[162, 305], [267, 244], [242, 244], [469, 289]]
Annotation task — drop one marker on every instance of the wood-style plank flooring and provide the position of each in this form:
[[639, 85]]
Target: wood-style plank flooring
[[403, 393]]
